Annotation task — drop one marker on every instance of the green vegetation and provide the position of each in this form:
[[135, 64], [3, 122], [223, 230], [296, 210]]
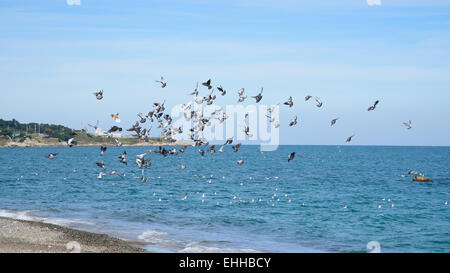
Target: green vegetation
[[13, 128], [51, 134]]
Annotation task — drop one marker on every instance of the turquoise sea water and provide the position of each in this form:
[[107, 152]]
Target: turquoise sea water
[[265, 205]]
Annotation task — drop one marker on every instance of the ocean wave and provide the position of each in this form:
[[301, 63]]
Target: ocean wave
[[154, 236], [164, 241], [28, 215], [196, 247]]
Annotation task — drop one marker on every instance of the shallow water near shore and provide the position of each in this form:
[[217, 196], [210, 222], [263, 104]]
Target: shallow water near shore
[[328, 199]]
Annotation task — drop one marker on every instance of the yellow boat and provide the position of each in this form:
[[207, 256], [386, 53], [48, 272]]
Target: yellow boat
[[421, 179]]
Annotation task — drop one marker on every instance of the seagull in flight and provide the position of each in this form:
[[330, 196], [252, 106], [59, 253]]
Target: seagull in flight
[[101, 165], [95, 126], [236, 147], [123, 158], [308, 97], [289, 102], [115, 117], [333, 122], [195, 92], [163, 83], [371, 108], [293, 121], [99, 94], [350, 138], [70, 142], [141, 179], [222, 91], [291, 157], [408, 125], [319, 102], [258, 97], [102, 150], [115, 173], [207, 84]]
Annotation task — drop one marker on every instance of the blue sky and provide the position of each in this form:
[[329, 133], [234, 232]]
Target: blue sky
[[54, 55]]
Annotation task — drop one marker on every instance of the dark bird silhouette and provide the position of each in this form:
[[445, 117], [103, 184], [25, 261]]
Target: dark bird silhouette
[[333, 122], [350, 138], [408, 125], [371, 108], [163, 83], [123, 158], [101, 165], [293, 121], [258, 97], [291, 157], [102, 150], [207, 84], [289, 102], [114, 129], [99, 94], [222, 91], [236, 147]]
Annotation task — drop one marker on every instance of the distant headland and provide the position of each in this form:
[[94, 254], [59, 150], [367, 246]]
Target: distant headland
[[16, 134]]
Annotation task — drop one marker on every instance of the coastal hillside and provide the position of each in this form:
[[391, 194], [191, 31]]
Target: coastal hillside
[[15, 129], [16, 134]]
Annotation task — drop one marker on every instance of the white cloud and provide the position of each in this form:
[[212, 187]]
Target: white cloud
[[374, 2], [73, 2]]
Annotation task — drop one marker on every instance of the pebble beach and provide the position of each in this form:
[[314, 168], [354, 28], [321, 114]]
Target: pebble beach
[[19, 236]]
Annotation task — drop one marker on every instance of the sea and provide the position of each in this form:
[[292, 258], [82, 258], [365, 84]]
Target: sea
[[327, 199]]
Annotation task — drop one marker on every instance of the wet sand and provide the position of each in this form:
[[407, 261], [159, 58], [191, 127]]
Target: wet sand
[[19, 236]]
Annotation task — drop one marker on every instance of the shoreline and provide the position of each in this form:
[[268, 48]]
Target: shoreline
[[23, 236], [22, 145]]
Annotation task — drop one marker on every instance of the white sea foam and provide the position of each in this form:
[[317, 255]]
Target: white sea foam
[[196, 247], [27, 215], [163, 240], [154, 236]]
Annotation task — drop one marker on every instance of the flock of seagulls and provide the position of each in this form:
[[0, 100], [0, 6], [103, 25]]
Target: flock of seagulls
[[200, 120]]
